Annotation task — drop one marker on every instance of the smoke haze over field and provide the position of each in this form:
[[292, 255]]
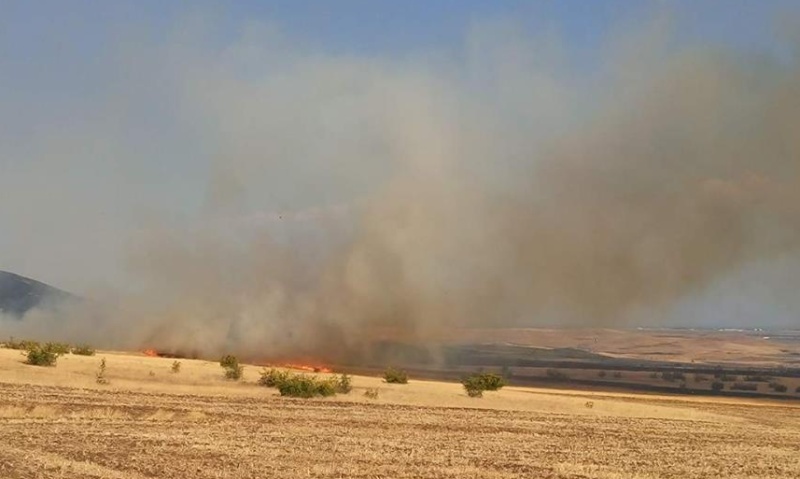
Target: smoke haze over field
[[264, 194]]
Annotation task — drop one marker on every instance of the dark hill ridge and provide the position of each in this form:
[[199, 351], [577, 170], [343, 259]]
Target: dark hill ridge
[[19, 294]]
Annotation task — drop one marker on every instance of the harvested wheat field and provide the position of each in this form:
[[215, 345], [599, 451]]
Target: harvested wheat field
[[149, 422]]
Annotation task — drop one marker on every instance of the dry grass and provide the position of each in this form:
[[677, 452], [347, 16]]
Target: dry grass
[[57, 422]]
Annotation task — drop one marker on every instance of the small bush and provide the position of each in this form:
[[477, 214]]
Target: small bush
[[758, 378], [234, 373], [41, 356], [101, 373], [653, 375], [59, 348], [83, 350], [176, 366], [698, 378], [46, 355], [717, 386], [229, 361], [602, 374], [395, 376], [491, 382], [271, 378], [302, 386], [23, 345], [778, 387], [617, 374], [556, 374], [477, 383], [344, 384], [372, 393], [797, 390], [233, 370], [474, 386]]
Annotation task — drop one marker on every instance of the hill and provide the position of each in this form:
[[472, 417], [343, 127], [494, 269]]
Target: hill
[[19, 294]]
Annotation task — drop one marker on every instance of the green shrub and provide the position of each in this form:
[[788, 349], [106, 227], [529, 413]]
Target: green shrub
[[491, 382], [234, 373], [477, 383], [58, 348], [176, 366], [229, 361], [41, 356], [272, 377], [46, 355], [758, 378], [474, 386], [83, 350], [302, 386], [395, 376], [233, 370], [22, 345]]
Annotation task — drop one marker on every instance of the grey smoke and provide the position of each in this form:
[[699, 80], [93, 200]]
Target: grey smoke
[[304, 202]]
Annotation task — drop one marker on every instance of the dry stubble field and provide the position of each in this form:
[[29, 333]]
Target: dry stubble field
[[151, 423]]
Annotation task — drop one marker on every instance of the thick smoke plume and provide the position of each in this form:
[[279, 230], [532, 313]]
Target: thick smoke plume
[[349, 199]]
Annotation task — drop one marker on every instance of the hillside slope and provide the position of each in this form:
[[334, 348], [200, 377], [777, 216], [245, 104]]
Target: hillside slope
[[19, 294]]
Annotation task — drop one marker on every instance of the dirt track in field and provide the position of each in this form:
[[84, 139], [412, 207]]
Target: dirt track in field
[[55, 432]]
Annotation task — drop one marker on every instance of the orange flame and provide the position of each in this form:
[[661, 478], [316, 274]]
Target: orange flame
[[300, 366], [150, 352], [308, 367]]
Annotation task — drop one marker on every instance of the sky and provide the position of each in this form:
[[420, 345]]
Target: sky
[[121, 119]]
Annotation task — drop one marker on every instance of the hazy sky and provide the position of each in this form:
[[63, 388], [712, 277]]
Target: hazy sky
[[118, 119]]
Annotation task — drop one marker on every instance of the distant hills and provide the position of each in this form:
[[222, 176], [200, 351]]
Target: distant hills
[[19, 294]]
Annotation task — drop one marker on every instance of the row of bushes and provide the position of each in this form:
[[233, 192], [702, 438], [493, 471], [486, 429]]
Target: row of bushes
[[47, 354], [303, 385]]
